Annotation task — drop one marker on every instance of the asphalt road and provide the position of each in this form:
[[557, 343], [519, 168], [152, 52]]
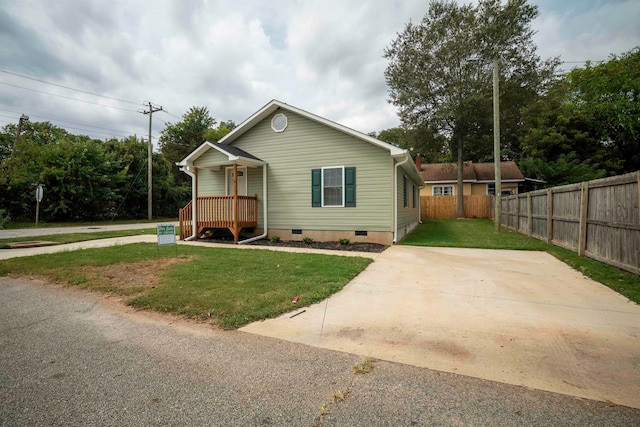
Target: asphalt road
[[69, 357]]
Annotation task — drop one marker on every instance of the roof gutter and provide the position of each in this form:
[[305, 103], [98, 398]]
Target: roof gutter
[[395, 197], [194, 202], [264, 209]]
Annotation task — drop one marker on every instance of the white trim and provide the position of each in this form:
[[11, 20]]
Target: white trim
[[194, 202], [453, 190], [399, 154], [322, 186], [395, 196], [265, 210], [274, 105], [226, 179]]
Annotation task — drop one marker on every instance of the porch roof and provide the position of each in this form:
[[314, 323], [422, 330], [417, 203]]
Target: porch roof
[[234, 155]]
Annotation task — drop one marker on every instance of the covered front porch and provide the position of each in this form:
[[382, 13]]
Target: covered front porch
[[221, 176]]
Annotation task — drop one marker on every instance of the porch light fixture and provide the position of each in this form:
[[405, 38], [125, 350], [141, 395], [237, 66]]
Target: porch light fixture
[[279, 122]]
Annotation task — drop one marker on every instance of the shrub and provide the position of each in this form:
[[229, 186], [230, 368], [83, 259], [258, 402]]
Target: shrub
[[274, 239], [4, 218], [344, 242], [307, 240]]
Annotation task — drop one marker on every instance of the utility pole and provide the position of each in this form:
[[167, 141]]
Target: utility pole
[[497, 209], [22, 118], [152, 109]]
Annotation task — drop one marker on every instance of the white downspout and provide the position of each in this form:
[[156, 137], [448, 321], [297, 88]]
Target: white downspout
[[395, 199], [264, 203], [419, 206], [194, 201]]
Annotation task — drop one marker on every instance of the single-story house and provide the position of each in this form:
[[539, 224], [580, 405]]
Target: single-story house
[[288, 173], [441, 179]]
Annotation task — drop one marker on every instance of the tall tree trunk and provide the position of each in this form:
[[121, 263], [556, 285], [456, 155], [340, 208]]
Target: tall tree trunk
[[460, 188]]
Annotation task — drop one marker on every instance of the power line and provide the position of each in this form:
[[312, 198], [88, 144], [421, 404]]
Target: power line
[[68, 97], [71, 88], [579, 62], [74, 123]]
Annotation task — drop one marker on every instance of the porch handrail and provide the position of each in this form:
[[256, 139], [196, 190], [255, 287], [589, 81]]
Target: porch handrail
[[218, 212]]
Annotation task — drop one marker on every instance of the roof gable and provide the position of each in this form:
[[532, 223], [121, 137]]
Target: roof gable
[[274, 105]]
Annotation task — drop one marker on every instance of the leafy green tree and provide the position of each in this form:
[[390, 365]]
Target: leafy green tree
[[179, 139], [439, 73], [217, 133], [84, 178], [591, 116], [565, 169]]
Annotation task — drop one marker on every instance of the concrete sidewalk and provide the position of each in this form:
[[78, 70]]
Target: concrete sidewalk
[[517, 317], [47, 231], [149, 238]]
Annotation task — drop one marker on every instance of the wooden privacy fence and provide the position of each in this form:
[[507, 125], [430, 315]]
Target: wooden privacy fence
[[599, 219], [445, 206]]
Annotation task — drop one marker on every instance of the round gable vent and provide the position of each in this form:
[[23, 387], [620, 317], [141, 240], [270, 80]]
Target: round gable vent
[[279, 122]]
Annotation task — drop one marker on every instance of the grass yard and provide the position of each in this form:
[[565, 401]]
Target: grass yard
[[233, 287], [478, 233], [77, 237]]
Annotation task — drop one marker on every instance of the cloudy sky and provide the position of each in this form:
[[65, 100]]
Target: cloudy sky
[[234, 56]]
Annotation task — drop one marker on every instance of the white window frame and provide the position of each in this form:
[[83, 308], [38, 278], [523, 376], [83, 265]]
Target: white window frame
[[286, 122], [494, 188], [433, 190], [322, 186]]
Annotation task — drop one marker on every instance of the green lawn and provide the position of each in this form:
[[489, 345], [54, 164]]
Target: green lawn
[[479, 233], [232, 286]]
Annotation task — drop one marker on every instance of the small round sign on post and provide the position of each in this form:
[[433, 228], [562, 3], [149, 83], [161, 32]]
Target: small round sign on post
[[39, 195]]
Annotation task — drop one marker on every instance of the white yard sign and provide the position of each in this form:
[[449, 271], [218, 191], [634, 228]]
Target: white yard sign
[[166, 235]]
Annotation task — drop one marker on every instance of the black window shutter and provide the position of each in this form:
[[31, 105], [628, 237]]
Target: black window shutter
[[316, 188], [350, 187]]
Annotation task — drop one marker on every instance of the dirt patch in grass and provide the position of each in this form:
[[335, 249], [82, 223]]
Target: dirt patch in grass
[[127, 279]]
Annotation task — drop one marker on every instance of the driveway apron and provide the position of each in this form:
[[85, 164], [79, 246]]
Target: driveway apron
[[517, 317]]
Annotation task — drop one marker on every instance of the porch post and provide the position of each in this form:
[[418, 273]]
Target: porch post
[[194, 205], [236, 230]]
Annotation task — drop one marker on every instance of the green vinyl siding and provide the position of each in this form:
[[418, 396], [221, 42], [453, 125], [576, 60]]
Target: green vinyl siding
[[210, 157], [306, 145], [211, 182], [406, 215]]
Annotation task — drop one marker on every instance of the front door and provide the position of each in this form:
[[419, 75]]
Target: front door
[[242, 181]]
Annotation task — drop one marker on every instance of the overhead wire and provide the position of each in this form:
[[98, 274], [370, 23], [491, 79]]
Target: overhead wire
[[68, 97], [70, 88]]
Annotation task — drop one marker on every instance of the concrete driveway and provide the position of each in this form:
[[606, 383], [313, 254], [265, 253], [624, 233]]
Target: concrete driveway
[[516, 317]]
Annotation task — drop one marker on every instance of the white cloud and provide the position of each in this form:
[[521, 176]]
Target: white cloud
[[234, 56]]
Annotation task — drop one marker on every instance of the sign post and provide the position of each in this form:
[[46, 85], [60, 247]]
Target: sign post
[[39, 195], [166, 236]]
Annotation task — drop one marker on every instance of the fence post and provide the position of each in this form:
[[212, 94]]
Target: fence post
[[638, 183], [529, 215], [584, 206], [517, 224], [549, 215]]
